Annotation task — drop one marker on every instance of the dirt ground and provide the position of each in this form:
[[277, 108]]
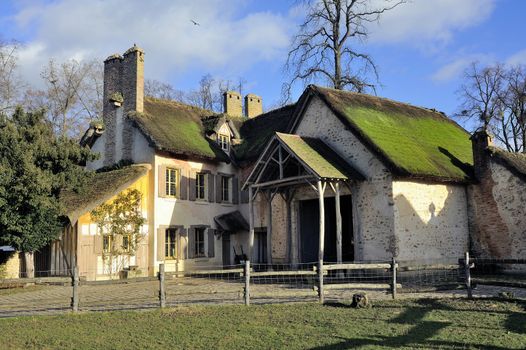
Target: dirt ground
[[49, 299]]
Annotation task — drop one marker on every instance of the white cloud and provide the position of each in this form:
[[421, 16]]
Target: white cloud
[[225, 40], [429, 23], [454, 69], [517, 58]]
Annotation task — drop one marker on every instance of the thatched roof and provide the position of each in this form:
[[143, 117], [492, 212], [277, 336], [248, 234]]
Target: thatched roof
[[177, 128], [411, 141], [515, 162], [319, 158], [101, 187], [258, 131]]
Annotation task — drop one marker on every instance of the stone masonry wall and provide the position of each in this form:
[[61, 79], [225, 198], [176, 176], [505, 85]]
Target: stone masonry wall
[[497, 213]]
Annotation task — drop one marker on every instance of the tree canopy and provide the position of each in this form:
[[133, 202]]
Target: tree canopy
[[35, 166]]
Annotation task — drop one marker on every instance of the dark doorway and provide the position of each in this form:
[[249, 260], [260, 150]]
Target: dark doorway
[[260, 245], [309, 229], [225, 248]]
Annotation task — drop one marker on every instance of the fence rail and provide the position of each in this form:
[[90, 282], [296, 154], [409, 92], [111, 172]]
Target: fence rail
[[252, 283]]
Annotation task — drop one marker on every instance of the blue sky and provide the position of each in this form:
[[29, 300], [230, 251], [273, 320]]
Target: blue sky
[[421, 48]]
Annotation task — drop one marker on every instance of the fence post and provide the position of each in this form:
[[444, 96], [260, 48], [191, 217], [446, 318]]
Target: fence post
[[75, 298], [467, 271], [162, 291], [320, 281], [247, 282], [394, 267]]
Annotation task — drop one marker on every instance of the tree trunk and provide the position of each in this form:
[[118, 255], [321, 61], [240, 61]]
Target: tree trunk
[[29, 258]]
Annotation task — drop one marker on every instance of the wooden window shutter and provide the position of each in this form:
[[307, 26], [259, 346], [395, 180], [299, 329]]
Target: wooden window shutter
[[210, 184], [235, 190], [183, 242], [211, 242], [218, 188], [162, 180], [191, 243], [183, 184], [161, 236], [97, 244], [191, 187]]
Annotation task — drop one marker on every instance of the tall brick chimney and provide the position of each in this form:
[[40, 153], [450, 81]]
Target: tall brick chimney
[[480, 141], [253, 105], [123, 93], [232, 104]]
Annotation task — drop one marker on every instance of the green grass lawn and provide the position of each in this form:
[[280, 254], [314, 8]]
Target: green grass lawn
[[424, 324]]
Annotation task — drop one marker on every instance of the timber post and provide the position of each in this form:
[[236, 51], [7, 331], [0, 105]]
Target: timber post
[[75, 297], [251, 222], [162, 291], [467, 272], [247, 283], [320, 281], [394, 267]]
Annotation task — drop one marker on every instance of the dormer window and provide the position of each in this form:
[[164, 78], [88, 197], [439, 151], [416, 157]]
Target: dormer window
[[224, 142]]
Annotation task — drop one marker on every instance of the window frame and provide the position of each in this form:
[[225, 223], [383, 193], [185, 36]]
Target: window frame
[[107, 243], [199, 187], [224, 142], [126, 247], [169, 243], [169, 183], [228, 190], [200, 243]]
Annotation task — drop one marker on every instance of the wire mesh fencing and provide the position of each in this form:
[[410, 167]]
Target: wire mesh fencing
[[246, 283]]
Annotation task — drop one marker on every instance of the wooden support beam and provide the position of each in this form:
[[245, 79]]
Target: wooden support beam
[[269, 227], [251, 223], [321, 201], [338, 223], [284, 182]]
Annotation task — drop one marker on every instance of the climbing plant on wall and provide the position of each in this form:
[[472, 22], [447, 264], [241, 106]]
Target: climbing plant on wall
[[119, 223]]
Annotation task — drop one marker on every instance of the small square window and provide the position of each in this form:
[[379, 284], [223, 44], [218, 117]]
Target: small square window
[[200, 186]]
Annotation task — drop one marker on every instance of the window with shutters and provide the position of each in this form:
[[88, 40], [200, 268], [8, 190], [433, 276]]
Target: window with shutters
[[200, 186], [225, 188], [170, 242], [107, 241], [199, 248], [172, 178], [224, 142]]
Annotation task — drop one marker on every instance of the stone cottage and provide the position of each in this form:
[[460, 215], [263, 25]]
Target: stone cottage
[[337, 176]]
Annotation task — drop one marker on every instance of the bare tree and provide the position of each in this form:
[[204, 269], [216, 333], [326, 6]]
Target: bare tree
[[73, 95], [323, 48], [10, 82], [209, 95], [158, 89], [495, 96]]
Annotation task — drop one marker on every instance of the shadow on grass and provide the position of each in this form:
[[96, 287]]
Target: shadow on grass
[[422, 332]]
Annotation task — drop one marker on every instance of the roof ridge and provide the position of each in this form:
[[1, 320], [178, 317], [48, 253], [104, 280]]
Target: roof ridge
[[386, 99], [181, 104]]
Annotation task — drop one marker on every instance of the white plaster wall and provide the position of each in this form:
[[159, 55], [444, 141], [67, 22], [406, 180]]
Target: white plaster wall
[[431, 221], [373, 215], [177, 212]]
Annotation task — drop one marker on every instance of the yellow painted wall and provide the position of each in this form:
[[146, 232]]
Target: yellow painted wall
[[90, 263]]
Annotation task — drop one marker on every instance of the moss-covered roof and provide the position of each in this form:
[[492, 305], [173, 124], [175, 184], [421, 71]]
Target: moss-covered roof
[[319, 157], [177, 128], [516, 162], [101, 187], [412, 141], [257, 132]]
